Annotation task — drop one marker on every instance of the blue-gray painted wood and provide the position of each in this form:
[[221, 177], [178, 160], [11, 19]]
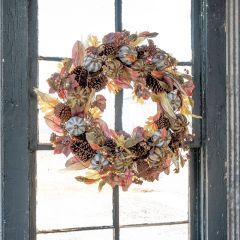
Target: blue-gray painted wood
[[118, 126], [233, 118], [18, 59], [213, 206]]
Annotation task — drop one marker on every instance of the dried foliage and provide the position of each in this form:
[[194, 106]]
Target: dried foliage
[[116, 158]]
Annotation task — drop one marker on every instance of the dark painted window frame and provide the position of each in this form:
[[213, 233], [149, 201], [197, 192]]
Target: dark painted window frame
[[213, 215]]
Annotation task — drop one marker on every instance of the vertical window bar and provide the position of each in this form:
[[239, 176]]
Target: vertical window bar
[[118, 126]]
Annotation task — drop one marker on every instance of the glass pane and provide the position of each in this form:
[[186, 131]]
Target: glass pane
[[83, 235], [46, 68], [62, 202], [63, 22], [171, 19], [161, 201], [174, 232], [135, 114]]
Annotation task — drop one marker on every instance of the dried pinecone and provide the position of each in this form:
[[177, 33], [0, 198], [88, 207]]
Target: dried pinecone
[[177, 140], [108, 49], [98, 82], [81, 148], [81, 75], [162, 122], [63, 112], [146, 50], [111, 145], [153, 84], [140, 150]]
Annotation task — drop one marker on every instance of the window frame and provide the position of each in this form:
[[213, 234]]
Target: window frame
[[19, 68]]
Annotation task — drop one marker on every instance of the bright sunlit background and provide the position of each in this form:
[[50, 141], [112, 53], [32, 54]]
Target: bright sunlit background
[[61, 201]]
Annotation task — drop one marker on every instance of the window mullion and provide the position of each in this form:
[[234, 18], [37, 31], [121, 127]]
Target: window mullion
[[118, 125]]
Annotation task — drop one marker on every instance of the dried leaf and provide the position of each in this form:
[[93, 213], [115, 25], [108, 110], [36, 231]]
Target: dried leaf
[[188, 87], [93, 41], [182, 161], [113, 87], [103, 125], [45, 101], [164, 102], [95, 112], [147, 34], [100, 102], [75, 163], [122, 82], [86, 180], [101, 184], [136, 42], [53, 122], [78, 53]]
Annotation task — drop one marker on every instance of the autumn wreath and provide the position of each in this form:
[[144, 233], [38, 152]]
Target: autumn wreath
[[121, 60]]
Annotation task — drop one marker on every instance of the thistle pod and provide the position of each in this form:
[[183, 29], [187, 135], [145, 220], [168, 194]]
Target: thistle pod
[[174, 100], [127, 54], [75, 126], [92, 63], [161, 138], [99, 162]]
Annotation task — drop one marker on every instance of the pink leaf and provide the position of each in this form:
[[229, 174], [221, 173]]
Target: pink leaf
[[100, 102], [75, 163], [53, 122], [188, 87], [66, 150], [123, 83], [169, 81], [78, 53], [103, 125]]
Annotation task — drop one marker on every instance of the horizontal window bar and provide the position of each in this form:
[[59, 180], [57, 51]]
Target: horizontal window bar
[[57, 59], [54, 59], [154, 224], [64, 230], [44, 146]]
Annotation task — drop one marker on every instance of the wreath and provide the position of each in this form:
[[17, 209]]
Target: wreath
[[121, 60]]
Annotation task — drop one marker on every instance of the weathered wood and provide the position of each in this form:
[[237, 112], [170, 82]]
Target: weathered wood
[[16, 45], [213, 154], [233, 118], [32, 111]]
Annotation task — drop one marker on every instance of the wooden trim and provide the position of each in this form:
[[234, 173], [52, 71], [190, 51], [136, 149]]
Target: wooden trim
[[233, 117]]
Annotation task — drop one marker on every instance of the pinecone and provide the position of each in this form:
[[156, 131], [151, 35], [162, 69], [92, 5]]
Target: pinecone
[[111, 145], [162, 122], [146, 50], [81, 148], [81, 75], [109, 49], [177, 140], [63, 112], [153, 84], [140, 150], [142, 167], [97, 82]]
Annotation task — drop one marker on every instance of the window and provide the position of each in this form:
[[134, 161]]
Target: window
[[214, 175], [67, 209]]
